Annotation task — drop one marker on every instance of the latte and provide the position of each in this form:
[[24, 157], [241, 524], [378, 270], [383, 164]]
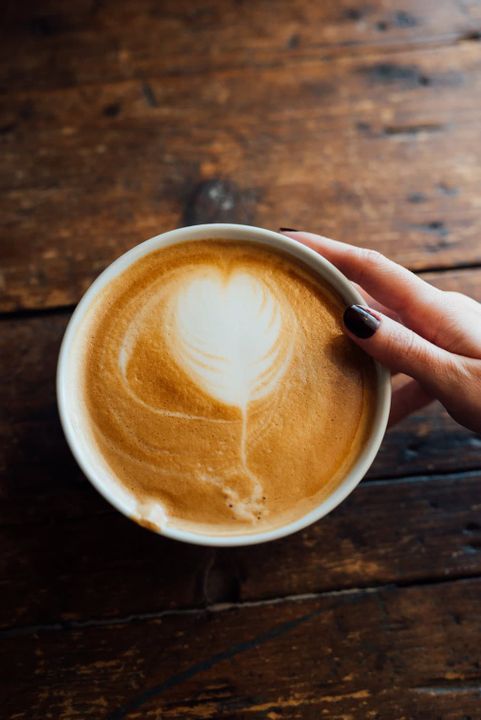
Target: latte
[[219, 387]]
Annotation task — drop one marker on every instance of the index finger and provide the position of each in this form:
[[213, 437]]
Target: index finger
[[389, 283]]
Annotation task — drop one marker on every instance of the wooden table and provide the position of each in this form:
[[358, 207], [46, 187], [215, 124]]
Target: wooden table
[[120, 120]]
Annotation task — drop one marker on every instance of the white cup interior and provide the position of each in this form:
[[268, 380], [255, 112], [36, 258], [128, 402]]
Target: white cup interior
[[72, 410]]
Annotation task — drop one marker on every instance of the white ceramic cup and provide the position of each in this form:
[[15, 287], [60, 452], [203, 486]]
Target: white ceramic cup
[[72, 412]]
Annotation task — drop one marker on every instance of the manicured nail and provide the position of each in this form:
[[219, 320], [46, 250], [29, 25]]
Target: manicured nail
[[360, 321], [288, 230]]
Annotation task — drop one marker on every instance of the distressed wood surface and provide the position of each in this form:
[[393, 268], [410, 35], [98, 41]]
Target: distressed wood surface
[[385, 653], [118, 121], [354, 148], [88, 42], [72, 570]]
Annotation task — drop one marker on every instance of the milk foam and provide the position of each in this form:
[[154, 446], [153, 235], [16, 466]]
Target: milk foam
[[216, 381], [234, 336], [228, 334]]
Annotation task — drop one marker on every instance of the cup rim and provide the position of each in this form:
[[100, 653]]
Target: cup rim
[[227, 231]]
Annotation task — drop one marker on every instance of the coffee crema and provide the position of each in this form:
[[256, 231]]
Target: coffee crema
[[219, 386]]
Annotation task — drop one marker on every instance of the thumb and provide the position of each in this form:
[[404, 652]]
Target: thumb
[[401, 349]]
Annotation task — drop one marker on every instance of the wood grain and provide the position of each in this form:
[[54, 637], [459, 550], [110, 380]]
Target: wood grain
[[95, 567], [119, 120], [90, 43], [354, 147], [390, 653]]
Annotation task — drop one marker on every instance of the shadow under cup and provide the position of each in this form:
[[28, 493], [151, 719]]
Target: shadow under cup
[[72, 405]]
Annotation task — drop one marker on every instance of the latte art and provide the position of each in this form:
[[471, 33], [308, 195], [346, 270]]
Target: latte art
[[228, 334], [220, 388]]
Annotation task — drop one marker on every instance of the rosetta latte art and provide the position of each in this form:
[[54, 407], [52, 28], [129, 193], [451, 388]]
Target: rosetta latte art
[[220, 386], [228, 334]]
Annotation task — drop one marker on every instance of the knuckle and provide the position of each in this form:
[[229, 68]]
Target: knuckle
[[454, 297], [410, 350], [477, 385], [460, 380], [459, 301], [369, 260], [455, 371], [401, 346], [414, 348], [467, 372], [373, 257], [461, 396]]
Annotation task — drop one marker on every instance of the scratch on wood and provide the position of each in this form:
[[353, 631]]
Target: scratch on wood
[[413, 129], [416, 198], [438, 227], [297, 700], [205, 710], [472, 527], [448, 689], [404, 19], [471, 36], [205, 665], [149, 95], [388, 73], [7, 128], [446, 189], [113, 109], [294, 41]]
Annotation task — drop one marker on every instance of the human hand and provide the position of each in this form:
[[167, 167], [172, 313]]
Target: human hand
[[411, 327]]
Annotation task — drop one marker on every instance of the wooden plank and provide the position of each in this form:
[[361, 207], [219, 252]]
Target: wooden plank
[[73, 570], [80, 42], [354, 148], [392, 653], [428, 441]]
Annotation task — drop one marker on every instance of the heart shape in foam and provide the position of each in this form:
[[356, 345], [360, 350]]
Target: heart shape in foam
[[232, 334]]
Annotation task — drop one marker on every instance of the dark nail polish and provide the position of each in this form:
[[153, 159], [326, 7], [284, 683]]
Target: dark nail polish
[[360, 321], [288, 230]]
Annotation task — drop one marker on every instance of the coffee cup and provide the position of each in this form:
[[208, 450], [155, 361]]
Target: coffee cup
[[226, 398]]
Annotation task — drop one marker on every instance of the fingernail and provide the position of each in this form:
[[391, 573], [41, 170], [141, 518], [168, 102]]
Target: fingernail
[[288, 230], [360, 321]]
